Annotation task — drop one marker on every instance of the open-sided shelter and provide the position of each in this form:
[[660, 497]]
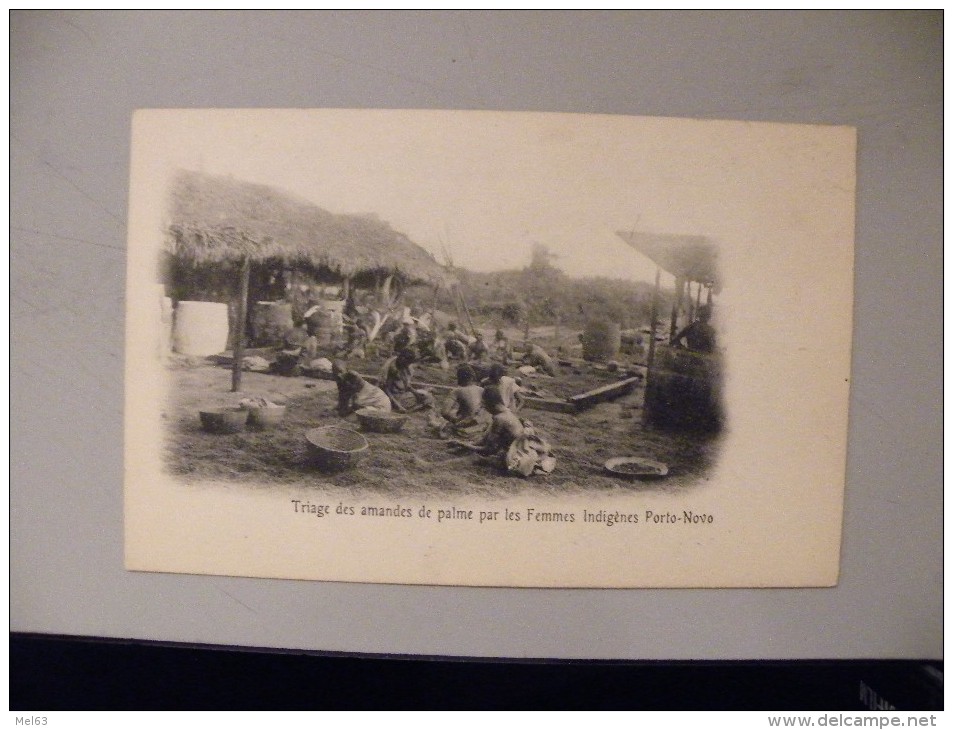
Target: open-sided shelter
[[682, 388], [216, 221]]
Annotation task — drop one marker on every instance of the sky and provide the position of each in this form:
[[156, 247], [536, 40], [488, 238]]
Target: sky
[[777, 200], [487, 185]]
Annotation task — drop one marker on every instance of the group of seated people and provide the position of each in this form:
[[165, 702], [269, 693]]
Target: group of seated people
[[478, 416], [453, 344], [508, 441]]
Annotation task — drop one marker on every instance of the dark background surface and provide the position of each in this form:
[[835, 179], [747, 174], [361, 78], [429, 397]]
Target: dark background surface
[[63, 673]]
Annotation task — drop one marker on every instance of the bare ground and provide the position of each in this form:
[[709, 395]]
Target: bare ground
[[409, 463]]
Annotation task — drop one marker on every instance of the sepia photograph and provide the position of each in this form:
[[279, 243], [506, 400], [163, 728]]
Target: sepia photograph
[[478, 348]]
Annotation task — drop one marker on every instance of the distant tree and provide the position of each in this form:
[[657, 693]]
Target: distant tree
[[543, 285], [541, 258], [513, 312]]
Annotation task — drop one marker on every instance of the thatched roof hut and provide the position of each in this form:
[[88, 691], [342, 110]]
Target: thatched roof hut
[[217, 219], [222, 222]]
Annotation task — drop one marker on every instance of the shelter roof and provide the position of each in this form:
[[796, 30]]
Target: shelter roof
[[694, 258], [216, 219]]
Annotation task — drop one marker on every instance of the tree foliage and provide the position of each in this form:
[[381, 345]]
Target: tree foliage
[[542, 294]]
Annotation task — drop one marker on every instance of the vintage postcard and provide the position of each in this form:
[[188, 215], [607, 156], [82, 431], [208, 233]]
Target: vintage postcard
[[488, 348]]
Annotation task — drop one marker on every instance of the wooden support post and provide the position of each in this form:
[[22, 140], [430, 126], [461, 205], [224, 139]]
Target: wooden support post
[[466, 311], [456, 306], [653, 325], [676, 306], [239, 353]]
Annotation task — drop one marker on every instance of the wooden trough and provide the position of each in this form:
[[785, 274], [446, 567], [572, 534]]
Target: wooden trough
[[604, 393]]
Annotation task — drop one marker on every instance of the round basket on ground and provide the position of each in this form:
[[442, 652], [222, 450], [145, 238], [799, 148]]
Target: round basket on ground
[[333, 448], [265, 416], [379, 422], [635, 467], [223, 420]]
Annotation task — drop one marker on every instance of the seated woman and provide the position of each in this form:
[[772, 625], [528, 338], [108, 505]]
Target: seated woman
[[431, 348], [292, 352], [504, 429], [510, 443], [406, 338], [355, 343], [395, 377], [699, 335], [355, 393], [477, 350], [502, 349], [509, 387], [456, 343], [539, 359], [462, 416]]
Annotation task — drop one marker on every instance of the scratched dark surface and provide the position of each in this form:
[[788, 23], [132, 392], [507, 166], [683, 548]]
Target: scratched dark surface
[[76, 77]]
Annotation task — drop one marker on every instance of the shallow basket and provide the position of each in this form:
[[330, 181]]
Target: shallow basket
[[265, 416], [378, 422], [333, 448], [635, 467], [223, 420]]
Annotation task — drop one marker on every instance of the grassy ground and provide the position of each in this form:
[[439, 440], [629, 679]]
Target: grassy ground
[[410, 462]]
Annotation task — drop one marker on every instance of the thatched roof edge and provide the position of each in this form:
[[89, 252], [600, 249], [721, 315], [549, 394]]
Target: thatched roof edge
[[215, 219], [691, 257]]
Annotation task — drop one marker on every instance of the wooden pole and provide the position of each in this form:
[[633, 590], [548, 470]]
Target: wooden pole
[[239, 351], [456, 305], [679, 292], [652, 325], [466, 311]]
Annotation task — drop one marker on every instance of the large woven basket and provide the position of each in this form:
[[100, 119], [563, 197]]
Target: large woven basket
[[333, 448], [380, 422]]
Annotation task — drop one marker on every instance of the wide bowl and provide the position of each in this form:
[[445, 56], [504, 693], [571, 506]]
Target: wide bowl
[[223, 420], [333, 448], [379, 422], [636, 467]]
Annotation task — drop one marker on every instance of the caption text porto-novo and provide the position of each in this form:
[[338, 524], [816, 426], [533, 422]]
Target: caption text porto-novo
[[524, 515]]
